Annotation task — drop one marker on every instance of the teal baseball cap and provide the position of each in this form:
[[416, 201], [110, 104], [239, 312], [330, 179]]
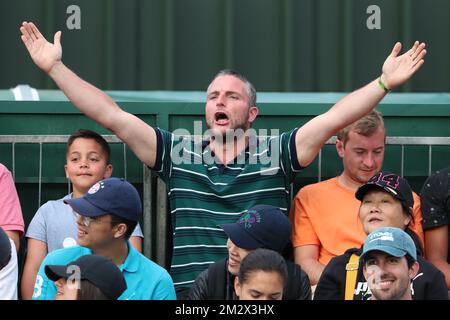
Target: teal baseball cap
[[393, 241]]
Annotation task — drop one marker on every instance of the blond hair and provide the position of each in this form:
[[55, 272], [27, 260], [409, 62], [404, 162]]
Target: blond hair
[[365, 126]]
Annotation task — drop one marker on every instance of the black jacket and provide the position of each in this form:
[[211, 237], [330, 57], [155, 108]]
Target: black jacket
[[217, 283], [429, 284]]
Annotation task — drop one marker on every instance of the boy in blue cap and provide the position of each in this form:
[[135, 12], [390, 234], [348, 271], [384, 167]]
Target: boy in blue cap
[[106, 216]]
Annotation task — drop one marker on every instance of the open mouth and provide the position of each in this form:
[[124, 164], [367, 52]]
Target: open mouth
[[221, 117]]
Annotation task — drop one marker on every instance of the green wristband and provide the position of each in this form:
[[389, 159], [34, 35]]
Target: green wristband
[[382, 85]]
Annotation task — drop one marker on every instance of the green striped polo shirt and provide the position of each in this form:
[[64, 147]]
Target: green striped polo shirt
[[204, 194]]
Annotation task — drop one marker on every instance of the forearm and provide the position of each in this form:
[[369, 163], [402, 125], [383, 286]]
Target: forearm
[[311, 137], [313, 269], [356, 104], [27, 283], [90, 100]]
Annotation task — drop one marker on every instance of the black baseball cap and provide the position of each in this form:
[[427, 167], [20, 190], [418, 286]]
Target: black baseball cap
[[262, 226], [109, 196], [5, 249], [393, 184], [98, 270]]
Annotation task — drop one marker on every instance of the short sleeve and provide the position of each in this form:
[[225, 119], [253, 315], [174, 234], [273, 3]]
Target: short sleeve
[[38, 226], [288, 154], [11, 218], [302, 230]]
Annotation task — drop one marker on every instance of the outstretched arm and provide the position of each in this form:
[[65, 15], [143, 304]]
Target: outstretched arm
[[91, 101], [396, 70]]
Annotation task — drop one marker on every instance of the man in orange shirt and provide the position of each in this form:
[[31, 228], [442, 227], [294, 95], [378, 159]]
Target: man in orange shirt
[[325, 215]]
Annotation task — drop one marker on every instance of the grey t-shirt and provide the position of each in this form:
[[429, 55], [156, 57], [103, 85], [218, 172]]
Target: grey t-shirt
[[54, 223]]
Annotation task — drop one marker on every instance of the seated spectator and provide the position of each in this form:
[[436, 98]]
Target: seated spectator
[[262, 276], [389, 260], [262, 226], [435, 198], [324, 223], [90, 277], [11, 219], [8, 268], [386, 201], [54, 225], [106, 217]]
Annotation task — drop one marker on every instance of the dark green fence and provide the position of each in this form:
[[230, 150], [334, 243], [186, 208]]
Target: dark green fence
[[406, 115]]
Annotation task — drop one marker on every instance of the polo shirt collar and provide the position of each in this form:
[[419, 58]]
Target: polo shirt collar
[[131, 263]]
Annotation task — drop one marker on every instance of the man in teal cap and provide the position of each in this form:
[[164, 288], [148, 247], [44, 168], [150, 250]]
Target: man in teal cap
[[389, 263]]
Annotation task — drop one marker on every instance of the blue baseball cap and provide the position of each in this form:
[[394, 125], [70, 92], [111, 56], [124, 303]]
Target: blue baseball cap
[[109, 196], [262, 226], [393, 241]]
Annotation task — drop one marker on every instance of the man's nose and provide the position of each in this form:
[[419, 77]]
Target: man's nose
[[369, 160]]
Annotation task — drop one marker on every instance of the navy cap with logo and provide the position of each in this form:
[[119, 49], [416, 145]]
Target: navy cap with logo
[[262, 226], [393, 184], [393, 241], [98, 270], [109, 196], [5, 249]]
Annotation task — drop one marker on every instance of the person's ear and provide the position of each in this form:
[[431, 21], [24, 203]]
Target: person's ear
[[120, 230], [407, 220], [252, 114], [65, 170], [237, 286], [414, 270], [108, 171], [340, 148]]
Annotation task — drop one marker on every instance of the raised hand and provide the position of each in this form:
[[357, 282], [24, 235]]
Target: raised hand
[[397, 69], [44, 54]]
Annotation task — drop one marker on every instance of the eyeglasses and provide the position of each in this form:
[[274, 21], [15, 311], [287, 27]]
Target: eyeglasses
[[87, 220]]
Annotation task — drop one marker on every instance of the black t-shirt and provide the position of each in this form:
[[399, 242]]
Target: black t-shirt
[[429, 283], [435, 202]]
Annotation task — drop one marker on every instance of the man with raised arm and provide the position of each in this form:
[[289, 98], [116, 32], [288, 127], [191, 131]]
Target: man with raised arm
[[204, 194]]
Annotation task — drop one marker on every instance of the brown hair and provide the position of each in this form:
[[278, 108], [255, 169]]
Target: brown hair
[[88, 134], [365, 126], [88, 291]]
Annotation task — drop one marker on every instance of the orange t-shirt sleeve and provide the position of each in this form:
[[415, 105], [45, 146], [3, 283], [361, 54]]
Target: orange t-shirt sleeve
[[417, 225], [303, 232]]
